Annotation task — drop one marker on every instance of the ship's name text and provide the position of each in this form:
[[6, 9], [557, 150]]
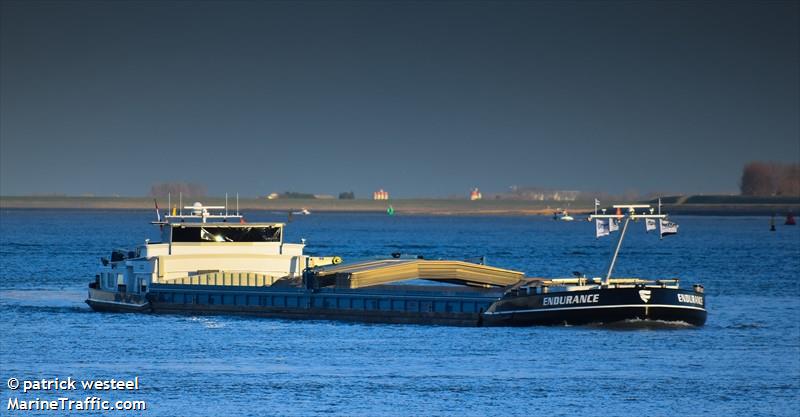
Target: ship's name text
[[571, 299], [690, 298]]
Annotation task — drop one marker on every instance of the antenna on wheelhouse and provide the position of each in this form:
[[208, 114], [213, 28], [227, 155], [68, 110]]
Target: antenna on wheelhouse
[[226, 204], [237, 204]]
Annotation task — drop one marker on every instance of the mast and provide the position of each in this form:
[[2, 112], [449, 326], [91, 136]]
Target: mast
[[616, 251], [629, 214]]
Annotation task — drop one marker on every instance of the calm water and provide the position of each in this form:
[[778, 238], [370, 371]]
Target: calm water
[[745, 361]]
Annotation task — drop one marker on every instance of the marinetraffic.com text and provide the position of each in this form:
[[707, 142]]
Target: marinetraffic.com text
[[69, 394]]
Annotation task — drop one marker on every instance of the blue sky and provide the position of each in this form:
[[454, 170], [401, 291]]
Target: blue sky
[[419, 98]]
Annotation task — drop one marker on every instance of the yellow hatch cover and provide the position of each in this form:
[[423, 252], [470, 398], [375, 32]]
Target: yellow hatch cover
[[370, 273]]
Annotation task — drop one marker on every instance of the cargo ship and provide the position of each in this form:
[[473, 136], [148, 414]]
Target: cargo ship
[[210, 261]]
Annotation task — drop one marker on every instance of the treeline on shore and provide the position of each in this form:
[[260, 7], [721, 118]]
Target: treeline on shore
[[767, 179]]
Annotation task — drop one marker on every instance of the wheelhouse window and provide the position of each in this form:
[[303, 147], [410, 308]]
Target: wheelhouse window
[[226, 234]]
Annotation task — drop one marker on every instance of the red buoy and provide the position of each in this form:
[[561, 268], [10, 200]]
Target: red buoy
[[790, 219]]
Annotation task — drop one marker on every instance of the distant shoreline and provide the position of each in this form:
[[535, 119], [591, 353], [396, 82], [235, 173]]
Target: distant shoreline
[[694, 205], [401, 206]]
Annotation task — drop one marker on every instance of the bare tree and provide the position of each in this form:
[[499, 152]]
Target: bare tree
[[768, 179], [756, 179], [788, 182]]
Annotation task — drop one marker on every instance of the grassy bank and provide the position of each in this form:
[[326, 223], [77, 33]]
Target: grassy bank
[[695, 205], [405, 206], [730, 205]]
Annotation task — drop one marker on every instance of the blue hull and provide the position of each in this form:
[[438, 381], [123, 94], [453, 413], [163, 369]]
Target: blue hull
[[429, 305]]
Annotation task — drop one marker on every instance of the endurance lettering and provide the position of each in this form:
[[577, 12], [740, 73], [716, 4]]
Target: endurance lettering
[[690, 298], [571, 299]]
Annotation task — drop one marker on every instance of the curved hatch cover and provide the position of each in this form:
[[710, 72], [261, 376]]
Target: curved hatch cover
[[365, 274]]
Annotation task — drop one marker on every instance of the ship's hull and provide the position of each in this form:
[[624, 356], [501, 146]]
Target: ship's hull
[[602, 315], [406, 305], [112, 301], [607, 305], [458, 308]]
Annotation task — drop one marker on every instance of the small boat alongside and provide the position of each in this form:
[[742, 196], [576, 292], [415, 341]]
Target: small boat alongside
[[563, 216], [212, 262]]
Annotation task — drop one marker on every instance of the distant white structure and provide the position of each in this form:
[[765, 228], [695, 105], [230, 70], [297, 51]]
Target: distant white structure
[[475, 194], [380, 195], [541, 194], [273, 196]]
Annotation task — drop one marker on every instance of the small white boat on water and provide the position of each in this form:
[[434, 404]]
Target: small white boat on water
[[303, 212], [564, 216]]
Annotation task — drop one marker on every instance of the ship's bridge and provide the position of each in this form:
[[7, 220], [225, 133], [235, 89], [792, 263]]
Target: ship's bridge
[[209, 224], [225, 232], [193, 248]]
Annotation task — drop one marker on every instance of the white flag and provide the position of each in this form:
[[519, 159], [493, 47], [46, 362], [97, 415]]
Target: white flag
[[650, 224], [602, 228], [667, 228], [613, 225]]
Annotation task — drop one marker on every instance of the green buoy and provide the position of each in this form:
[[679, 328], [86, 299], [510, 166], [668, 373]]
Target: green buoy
[[390, 211]]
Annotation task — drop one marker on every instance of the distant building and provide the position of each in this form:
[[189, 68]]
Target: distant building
[[273, 196], [324, 197], [475, 195], [380, 195], [540, 194]]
